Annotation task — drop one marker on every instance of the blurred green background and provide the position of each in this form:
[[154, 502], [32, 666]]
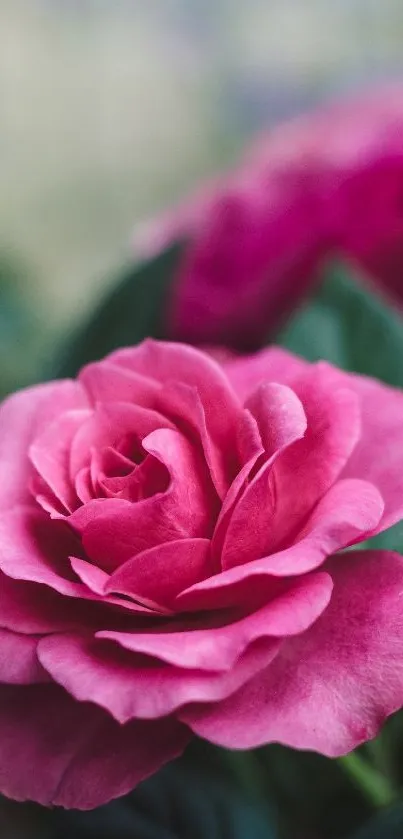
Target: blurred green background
[[112, 109]]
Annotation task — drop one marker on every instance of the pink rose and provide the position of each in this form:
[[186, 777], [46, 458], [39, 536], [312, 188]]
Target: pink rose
[[331, 182], [172, 536]]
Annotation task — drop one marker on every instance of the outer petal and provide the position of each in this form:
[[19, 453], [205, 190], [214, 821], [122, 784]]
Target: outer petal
[[293, 606], [22, 416], [331, 688], [166, 362], [35, 609], [246, 373], [19, 663], [73, 754], [378, 456], [107, 382], [36, 548], [130, 687]]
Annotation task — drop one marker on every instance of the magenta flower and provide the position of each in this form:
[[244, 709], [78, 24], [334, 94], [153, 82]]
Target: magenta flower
[[331, 182], [172, 536]]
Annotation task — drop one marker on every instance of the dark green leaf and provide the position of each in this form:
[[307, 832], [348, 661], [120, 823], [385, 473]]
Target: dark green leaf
[[387, 825], [355, 329], [348, 325], [187, 799], [132, 310]]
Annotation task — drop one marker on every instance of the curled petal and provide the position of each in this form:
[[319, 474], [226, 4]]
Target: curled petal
[[114, 530], [247, 373], [170, 364], [108, 426], [22, 416], [348, 666], [19, 663], [107, 382], [50, 453], [35, 549], [281, 420], [130, 687], [348, 513], [162, 572], [307, 470], [292, 608]]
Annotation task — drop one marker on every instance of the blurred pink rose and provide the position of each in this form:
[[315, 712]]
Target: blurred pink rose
[[170, 531], [327, 183]]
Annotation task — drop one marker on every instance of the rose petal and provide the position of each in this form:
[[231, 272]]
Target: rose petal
[[292, 608], [21, 417], [107, 382], [348, 513], [378, 457], [184, 404], [114, 531], [107, 426], [35, 609], [281, 421], [306, 470], [171, 363], [129, 687], [246, 373], [331, 688], [96, 581], [94, 578], [279, 414], [160, 573], [81, 756], [36, 548], [50, 453], [19, 663]]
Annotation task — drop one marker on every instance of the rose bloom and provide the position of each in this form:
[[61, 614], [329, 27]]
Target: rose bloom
[[172, 556], [329, 182]]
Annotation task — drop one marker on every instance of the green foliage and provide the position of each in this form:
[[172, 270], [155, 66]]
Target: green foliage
[[132, 310], [349, 326], [192, 798], [387, 825], [18, 344]]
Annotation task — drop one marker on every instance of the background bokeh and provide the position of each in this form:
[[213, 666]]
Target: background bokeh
[[110, 109]]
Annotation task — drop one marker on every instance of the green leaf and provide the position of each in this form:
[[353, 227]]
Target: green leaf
[[188, 799], [349, 326], [388, 825], [313, 795], [132, 310], [346, 324]]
